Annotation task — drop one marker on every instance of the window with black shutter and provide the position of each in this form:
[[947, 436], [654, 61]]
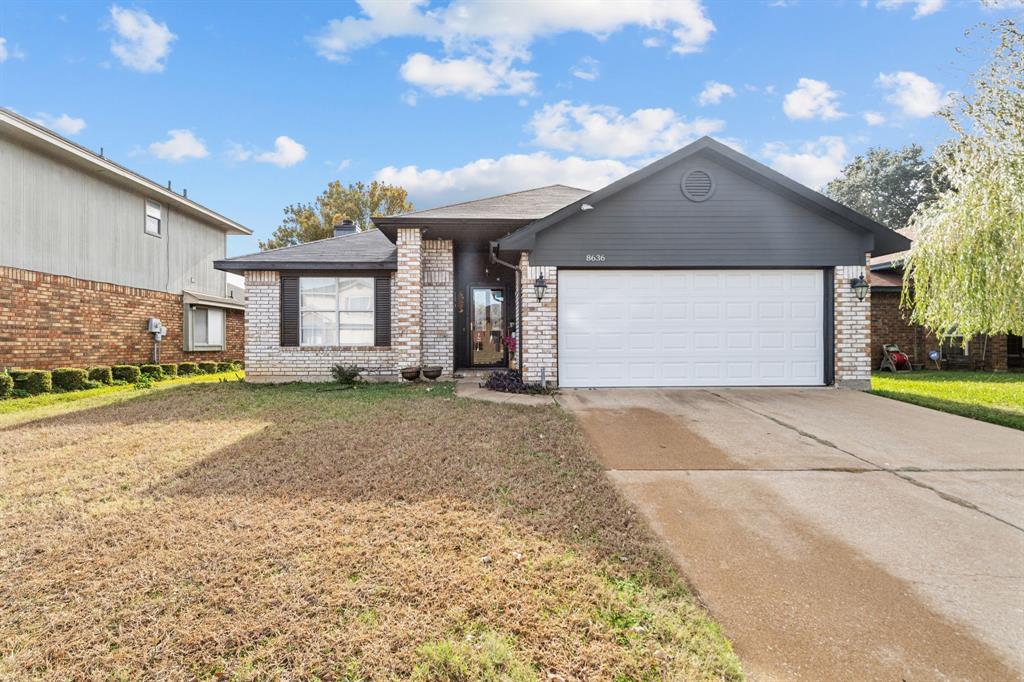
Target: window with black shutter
[[342, 320]]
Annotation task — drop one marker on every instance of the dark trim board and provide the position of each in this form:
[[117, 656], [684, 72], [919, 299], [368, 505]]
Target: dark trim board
[[828, 278]]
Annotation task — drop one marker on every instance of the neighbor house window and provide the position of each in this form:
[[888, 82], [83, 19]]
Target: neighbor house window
[[336, 311], [207, 328], [154, 218]]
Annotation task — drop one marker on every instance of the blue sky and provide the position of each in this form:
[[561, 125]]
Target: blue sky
[[255, 106]]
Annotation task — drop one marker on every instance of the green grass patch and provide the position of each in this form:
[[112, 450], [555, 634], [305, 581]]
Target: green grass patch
[[483, 656], [995, 398], [46, 399]]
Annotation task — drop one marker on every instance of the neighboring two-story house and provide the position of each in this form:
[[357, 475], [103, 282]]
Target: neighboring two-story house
[[91, 252]]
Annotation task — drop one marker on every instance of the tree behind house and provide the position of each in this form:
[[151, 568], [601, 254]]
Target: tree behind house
[[358, 202], [888, 185]]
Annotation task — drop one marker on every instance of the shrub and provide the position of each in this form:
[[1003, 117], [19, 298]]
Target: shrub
[[32, 381], [6, 385], [101, 375], [225, 367], [186, 368], [170, 369], [239, 364], [345, 375], [510, 381], [154, 372], [126, 373], [208, 367], [70, 379]]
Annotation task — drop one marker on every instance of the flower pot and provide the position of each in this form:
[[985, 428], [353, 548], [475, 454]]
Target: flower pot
[[410, 373], [432, 372]]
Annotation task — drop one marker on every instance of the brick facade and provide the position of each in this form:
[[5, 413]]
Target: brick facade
[[422, 328], [890, 324], [266, 360], [49, 321], [852, 331], [438, 297], [538, 328]]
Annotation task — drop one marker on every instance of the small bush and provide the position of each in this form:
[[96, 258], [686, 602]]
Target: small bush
[[510, 381], [6, 385], [101, 375], [154, 372], [186, 368], [208, 367], [346, 375], [225, 367], [145, 381], [32, 381], [126, 373], [239, 364], [170, 370], [70, 379]]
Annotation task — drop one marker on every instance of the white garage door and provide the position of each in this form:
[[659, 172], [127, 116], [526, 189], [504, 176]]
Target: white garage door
[[690, 328]]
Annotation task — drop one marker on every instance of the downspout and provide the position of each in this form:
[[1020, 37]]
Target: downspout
[[492, 251]]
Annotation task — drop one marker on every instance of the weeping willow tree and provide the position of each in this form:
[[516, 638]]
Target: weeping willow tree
[[965, 273]]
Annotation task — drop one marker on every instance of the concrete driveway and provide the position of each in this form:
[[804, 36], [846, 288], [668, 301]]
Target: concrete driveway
[[833, 534]]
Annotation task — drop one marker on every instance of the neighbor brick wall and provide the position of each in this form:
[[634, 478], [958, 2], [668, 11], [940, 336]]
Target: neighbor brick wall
[[539, 325], [438, 296], [266, 360], [852, 331], [49, 321], [890, 324]]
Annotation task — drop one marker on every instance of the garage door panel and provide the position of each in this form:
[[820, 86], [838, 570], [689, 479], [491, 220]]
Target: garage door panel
[[691, 328]]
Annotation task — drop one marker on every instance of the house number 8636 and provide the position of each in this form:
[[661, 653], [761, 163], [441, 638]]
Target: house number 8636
[[595, 258]]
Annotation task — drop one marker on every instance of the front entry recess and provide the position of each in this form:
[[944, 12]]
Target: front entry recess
[[487, 327]]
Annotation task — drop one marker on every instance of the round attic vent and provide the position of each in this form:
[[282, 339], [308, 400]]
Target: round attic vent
[[697, 185]]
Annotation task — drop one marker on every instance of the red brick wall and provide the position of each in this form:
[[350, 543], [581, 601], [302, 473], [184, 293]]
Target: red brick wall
[[49, 321], [889, 325]]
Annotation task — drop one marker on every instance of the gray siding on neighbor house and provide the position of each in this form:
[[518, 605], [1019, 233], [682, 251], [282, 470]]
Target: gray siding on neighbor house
[[652, 224], [66, 220]]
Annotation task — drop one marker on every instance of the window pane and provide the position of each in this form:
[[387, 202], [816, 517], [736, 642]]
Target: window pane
[[319, 329], [152, 225], [317, 293], [200, 328], [356, 329], [215, 326], [355, 294]]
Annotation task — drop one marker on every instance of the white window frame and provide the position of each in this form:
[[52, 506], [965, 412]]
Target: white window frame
[[205, 345], [151, 208], [338, 313]]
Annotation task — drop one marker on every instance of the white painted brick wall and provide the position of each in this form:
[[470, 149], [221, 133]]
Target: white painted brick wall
[[438, 301], [539, 326], [267, 361], [853, 331], [406, 301]]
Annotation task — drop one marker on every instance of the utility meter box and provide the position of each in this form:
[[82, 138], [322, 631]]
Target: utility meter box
[[154, 325]]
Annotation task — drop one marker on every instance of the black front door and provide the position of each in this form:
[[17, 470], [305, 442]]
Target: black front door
[[487, 327]]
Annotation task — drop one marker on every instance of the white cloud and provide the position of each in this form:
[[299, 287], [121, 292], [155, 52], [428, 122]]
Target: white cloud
[[915, 95], [586, 69], [485, 39], [12, 52], [596, 130], [63, 124], [287, 152], [813, 164], [922, 8], [713, 93], [653, 41], [873, 118], [180, 145], [343, 164], [142, 43], [483, 177], [812, 99], [470, 76]]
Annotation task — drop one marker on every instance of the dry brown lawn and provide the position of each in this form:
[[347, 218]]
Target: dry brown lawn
[[252, 532]]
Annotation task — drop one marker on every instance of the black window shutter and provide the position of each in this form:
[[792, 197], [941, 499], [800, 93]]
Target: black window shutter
[[382, 310], [289, 310]]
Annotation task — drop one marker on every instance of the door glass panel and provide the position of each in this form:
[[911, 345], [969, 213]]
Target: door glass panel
[[487, 327]]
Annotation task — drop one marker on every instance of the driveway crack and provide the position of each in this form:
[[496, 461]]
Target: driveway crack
[[901, 474]]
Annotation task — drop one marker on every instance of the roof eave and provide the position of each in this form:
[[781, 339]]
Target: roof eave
[[231, 265]]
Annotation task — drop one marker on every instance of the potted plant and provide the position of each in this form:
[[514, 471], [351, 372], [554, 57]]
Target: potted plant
[[432, 372], [410, 373]]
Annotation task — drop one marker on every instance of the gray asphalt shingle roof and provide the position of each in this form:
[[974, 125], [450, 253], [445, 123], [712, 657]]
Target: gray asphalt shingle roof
[[529, 204], [360, 250]]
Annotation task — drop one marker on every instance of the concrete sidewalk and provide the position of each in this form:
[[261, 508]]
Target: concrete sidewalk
[[834, 534]]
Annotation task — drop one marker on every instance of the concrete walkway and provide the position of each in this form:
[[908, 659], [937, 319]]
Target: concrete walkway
[[833, 534]]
